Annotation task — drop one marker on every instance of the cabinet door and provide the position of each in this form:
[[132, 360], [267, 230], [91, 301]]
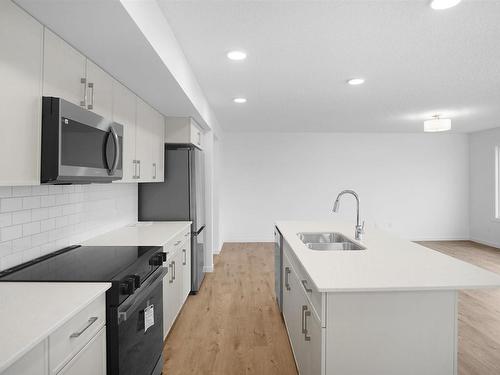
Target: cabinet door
[[158, 147], [170, 297], [313, 346], [99, 91], [21, 46], [144, 137], [64, 68], [124, 103], [186, 270], [91, 359], [196, 135], [292, 311], [32, 363]]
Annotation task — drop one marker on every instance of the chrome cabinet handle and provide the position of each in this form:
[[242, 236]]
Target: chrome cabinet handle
[[187, 234], [171, 273], [154, 166], [178, 242], [91, 87], [89, 323], [304, 309], [287, 272], [134, 162], [199, 138], [139, 163], [304, 284], [185, 257], [83, 81], [174, 271], [307, 314]]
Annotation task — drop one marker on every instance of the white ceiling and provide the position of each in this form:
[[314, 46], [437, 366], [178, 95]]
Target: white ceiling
[[416, 62]]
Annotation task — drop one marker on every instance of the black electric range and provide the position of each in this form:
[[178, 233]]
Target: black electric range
[[135, 274]]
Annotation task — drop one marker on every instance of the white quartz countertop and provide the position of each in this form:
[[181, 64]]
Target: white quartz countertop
[[143, 233], [30, 312], [388, 264]]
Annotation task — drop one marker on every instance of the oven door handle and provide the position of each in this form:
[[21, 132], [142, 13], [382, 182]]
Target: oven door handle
[[116, 159], [140, 295]]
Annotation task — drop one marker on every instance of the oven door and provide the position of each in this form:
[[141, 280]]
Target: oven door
[[140, 331]]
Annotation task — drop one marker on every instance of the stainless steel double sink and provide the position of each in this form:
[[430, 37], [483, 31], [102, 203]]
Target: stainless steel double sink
[[328, 242]]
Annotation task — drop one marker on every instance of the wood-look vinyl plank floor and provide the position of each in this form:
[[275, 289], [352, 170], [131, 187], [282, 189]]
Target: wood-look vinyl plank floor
[[233, 326]]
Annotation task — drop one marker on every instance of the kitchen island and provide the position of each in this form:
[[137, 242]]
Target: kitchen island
[[390, 308]]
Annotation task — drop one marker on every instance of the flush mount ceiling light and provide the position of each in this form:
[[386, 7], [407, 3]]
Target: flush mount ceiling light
[[443, 4], [239, 100], [355, 81], [437, 124], [236, 55]]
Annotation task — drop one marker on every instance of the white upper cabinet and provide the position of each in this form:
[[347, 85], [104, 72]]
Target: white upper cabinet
[[99, 91], [149, 149], [124, 109], [21, 49], [64, 71], [144, 140], [183, 130]]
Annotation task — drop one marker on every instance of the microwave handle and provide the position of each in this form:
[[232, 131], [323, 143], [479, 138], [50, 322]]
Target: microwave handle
[[117, 151]]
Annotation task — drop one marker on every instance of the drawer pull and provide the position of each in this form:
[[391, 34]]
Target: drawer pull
[[304, 309], [187, 234], [185, 257], [306, 332], [287, 272], [304, 284], [90, 322], [178, 242]]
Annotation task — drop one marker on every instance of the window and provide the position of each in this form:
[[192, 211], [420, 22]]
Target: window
[[497, 182]]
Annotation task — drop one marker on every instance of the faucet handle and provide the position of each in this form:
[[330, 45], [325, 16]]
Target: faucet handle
[[363, 226]]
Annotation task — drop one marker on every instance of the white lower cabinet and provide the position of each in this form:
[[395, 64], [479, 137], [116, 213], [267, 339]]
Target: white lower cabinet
[[177, 282], [90, 360], [303, 325], [35, 362], [78, 347]]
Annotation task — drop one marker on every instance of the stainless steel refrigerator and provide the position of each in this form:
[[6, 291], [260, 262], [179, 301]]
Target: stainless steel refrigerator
[[180, 198]]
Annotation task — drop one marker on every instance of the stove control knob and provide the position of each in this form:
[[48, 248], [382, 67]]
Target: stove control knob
[[137, 281], [156, 260], [128, 286]]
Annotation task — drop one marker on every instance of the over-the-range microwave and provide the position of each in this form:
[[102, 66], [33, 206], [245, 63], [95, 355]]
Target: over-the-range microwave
[[78, 146]]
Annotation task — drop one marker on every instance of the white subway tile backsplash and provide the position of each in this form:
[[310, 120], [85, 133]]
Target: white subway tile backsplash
[[39, 214], [21, 191], [31, 228], [55, 189], [47, 225], [40, 190], [5, 248], [47, 200], [5, 220], [11, 204], [38, 220], [31, 202], [21, 217], [5, 191], [10, 233], [21, 244]]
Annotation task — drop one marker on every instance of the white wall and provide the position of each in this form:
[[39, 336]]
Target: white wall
[[483, 227], [415, 185], [37, 220]]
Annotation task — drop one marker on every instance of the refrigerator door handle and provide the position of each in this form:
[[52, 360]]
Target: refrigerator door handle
[[199, 231]]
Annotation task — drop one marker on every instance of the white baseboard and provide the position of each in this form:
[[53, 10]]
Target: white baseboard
[[208, 268], [487, 243]]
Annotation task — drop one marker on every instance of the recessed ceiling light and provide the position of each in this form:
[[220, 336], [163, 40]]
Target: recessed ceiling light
[[356, 81], [437, 124], [236, 55], [443, 4], [240, 100]]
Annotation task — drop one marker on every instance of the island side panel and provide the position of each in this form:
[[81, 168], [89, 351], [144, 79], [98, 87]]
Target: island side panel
[[392, 333]]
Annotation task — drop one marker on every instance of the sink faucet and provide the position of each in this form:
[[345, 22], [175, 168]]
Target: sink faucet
[[360, 229]]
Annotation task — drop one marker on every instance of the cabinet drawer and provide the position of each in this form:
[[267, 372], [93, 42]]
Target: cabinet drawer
[[177, 242], [76, 333], [316, 298]]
